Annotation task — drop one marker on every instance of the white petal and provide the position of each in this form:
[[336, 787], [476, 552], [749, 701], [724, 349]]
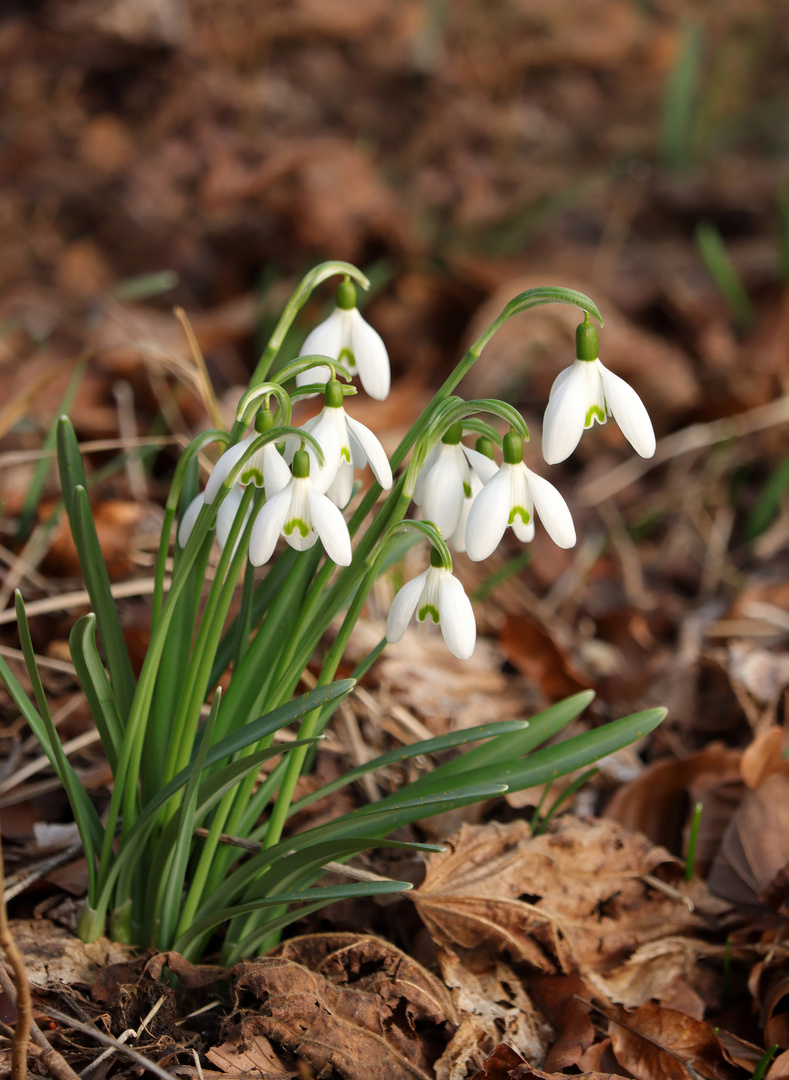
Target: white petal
[[553, 511], [276, 474], [456, 617], [442, 490], [341, 487], [372, 360], [268, 525], [485, 467], [329, 431], [628, 410], [189, 519], [324, 340], [403, 607], [458, 537], [488, 517], [222, 468], [330, 526], [424, 472], [565, 415], [226, 516], [524, 532], [366, 445]]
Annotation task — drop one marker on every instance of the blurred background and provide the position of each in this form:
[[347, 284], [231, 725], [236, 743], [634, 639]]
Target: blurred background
[[206, 153]]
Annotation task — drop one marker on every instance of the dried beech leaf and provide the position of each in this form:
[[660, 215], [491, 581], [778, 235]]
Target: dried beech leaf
[[526, 1072], [655, 1043], [499, 1065], [563, 998], [574, 898], [493, 1004], [755, 848], [247, 1052], [350, 1004]]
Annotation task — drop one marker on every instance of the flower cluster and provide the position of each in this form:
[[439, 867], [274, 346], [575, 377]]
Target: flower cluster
[[465, 497]]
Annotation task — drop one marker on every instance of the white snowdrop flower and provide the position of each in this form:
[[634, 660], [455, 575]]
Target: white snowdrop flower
[[481, 472], [303, 514], [439, 595], [346, 445], [511, 498], [588, 391], [266, 468], [347, 338], [444, 483]]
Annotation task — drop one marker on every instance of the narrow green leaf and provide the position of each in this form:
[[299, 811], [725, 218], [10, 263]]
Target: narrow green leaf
[[96, 686], [325, 895], [403, 753], [97, 583], [552, 761], [88, 824]]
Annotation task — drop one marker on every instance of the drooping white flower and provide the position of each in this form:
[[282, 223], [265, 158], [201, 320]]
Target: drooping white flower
[[445, 482], [346, 337], [435, 593], [346, 445], [511, 498], [587, 391], [265, 468], [303, 514], [480, 475]]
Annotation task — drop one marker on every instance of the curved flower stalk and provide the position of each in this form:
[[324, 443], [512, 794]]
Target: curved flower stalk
[[436, 594], [345, 336], [265, 468], [588, 391], [303, 514], [445, 485], [511, 499], [346, 445]]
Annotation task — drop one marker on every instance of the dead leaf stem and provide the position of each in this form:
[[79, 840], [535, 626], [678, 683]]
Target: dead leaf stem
[[24, 1005]]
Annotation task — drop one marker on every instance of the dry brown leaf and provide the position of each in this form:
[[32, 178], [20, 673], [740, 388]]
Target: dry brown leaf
[[779, 1070], [246, 1051], [563, 998], [764, 757], [527, 1072], [350, 1003], [499, 1064], [530, 648], [755, 848], [52, 954], [655, 1043], [492, 1004], [573, 899], [658, 804]]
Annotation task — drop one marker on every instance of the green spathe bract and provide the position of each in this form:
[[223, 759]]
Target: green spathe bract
[[161, 871]]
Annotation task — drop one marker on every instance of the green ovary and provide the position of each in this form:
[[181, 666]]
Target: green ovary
[[519, 512], [296, 523], [594, 412], [428, 609]]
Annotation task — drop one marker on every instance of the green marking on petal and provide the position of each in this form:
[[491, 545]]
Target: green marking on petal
[[345, 454], [467, 489], [594, 412], [296, 523], [518, 511], [345, 354], [252, 476], [428, 609]]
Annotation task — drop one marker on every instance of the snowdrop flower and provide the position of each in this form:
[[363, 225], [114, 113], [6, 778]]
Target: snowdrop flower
[[435, 593], [511, 498], [265, 468], [347, 338], [586, 392], [303, 514], [346, 445], [446, 481]]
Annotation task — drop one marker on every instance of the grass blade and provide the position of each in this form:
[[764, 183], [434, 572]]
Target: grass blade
[[96, 686]]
